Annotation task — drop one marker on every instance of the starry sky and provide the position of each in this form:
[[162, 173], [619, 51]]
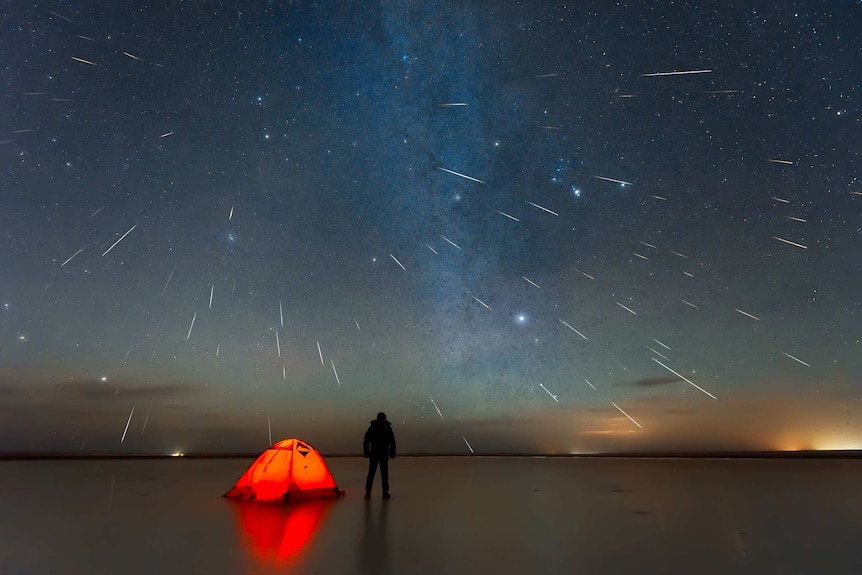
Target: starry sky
[[515, 227]]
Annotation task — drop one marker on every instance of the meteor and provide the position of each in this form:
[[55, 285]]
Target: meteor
[[789, 242], [747, 314], [574, 330], [684, 378], [796, 359], [71, 257], [529, 281], [680, 73], [508, 216], [194, 317], [466, 177], [397, 262], [483, 303], [122, 439], [614, 180], [82, 61], [435, 407], [554, 397], [626, 414], [119, 240], [451, 242], [543, 208]]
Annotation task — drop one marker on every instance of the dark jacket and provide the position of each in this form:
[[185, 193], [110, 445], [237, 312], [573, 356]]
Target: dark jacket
[[379, 440]]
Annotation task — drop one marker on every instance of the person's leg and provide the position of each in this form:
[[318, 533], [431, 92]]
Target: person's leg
[[384, 474], [372, 469]]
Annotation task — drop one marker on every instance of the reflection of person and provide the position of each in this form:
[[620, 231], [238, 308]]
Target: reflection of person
[[373, 548], [378, 446]]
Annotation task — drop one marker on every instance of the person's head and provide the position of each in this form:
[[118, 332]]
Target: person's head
[[381, 416]]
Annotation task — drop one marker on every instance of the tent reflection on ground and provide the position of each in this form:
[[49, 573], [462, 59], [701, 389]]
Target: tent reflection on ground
[[278, 534]]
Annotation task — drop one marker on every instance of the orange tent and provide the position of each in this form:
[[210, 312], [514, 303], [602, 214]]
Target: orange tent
[[290, 470]]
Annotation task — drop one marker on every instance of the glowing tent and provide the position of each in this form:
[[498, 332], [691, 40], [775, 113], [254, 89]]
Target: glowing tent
[[290, 470]]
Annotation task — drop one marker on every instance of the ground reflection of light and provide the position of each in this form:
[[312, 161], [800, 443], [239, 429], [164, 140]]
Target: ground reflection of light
[[278, 534]]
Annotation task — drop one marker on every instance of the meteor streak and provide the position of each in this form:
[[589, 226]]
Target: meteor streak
[[680, 73], [777, 161], [337, 379], [119, 240], [166, 134], [397, 262], [549, 75], [466, 177], [789, 242], [468, 444], [194, 317], [684, 378], [60, 16], [777, 199], [450, 104], [614, 180], [82, 61], [658, 353], [747, 314], [71, 257], [432, 249], [451, 242], [146, 419], [688, 303], [132, 56], [529, 281], [508, 216], [122, 439], [626, 414], [796, 359], [320, 353], [483, 303], [543, 208], [590, 384], [435, 407], [574, 330], [660, 343], [169, 279], [631, 311], [554, 397]]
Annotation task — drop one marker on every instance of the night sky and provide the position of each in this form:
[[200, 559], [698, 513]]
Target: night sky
[[514, 227]]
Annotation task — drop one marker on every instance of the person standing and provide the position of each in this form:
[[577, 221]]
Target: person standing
[[378, 447]]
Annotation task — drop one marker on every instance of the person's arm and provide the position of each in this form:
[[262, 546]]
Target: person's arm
[[366, 444], [391, 444]]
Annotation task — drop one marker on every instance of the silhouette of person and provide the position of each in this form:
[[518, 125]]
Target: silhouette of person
[[378, 447]]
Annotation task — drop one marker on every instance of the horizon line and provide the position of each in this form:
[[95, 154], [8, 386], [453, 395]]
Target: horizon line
[[734, 454]]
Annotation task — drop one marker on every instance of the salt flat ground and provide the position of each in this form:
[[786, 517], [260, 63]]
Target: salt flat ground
[[447, 515]]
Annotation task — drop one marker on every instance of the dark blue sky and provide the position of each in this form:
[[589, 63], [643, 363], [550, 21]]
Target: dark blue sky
[[209, 212]]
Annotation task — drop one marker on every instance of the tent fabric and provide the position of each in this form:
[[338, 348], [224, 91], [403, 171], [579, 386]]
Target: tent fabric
[[290, 470]]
